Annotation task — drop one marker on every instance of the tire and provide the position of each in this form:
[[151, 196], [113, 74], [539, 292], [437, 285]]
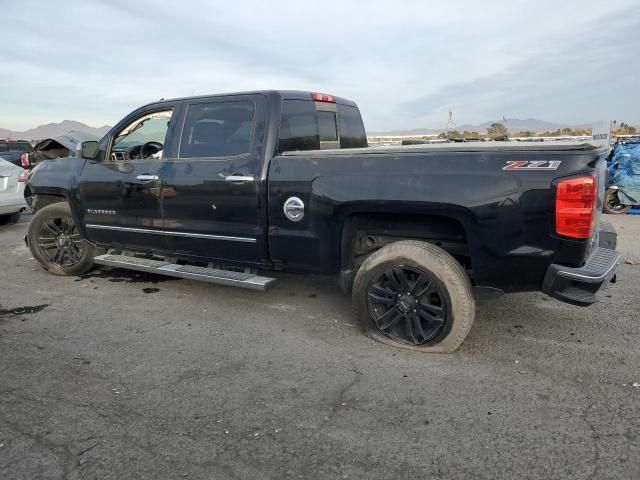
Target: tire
[[55, 242], [9, 219], [449, 295], [612, 205]]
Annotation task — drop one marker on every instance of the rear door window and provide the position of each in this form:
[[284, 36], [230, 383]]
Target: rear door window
[[217, 129]]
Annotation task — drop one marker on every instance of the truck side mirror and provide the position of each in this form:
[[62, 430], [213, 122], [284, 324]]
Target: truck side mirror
[[90, 150]]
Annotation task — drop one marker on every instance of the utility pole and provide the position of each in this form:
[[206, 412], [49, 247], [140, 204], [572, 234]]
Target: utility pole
[[450, 121]]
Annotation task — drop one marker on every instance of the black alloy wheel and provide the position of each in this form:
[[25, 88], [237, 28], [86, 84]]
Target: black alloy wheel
[[59, 242], [55, 241], [407, 305]]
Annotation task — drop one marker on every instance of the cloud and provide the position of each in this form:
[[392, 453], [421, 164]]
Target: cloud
[[587, 77], [405, 63]]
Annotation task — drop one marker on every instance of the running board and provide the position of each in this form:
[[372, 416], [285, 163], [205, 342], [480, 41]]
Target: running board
[[203, 274]]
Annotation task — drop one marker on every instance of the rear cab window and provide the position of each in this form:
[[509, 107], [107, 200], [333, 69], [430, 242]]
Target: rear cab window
[[352, 133], [318, 125]]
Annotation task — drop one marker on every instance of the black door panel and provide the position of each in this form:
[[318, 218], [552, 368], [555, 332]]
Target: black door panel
[[207, 216], [211, 191], [121, 196], [121, 203]]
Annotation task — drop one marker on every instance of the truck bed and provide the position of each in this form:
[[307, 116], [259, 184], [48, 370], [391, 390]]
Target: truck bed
[[462, 147], [500, 194]]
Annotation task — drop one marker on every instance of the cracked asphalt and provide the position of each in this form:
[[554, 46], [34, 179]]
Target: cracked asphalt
[[118, 375]]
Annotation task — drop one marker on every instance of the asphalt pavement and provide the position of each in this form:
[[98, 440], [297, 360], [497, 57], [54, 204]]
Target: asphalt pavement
[[123, 375]]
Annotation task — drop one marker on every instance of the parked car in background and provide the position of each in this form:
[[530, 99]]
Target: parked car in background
[[16, 152], [9, 145], [12, 182]]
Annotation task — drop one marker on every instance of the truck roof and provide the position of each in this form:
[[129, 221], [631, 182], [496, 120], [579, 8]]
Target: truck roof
[[283, 94]]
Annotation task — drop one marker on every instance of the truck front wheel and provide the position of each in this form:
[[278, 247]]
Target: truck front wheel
[[55, 242], [414, 295]]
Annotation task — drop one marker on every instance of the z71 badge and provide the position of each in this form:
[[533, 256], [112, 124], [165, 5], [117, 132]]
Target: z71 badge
[[533, 165]]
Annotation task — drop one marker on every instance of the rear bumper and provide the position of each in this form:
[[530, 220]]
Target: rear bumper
[[580, 286], [12, 208], [13, 201]]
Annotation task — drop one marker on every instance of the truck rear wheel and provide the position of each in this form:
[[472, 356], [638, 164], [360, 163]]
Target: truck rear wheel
[[414, 295], [55, 242]]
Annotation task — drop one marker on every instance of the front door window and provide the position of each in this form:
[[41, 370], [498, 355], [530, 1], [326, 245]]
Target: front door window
[[142, 138]]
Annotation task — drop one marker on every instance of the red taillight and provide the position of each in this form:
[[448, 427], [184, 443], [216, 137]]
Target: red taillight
[[576, 201], [24, 160], [323, 97], [24, 176]]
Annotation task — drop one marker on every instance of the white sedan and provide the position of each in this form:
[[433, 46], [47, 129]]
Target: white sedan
[[12, 202]]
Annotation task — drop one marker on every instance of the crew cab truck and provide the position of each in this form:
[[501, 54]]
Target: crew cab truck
[[220, 188]]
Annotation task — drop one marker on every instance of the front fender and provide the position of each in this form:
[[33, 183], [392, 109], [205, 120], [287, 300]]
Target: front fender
[[60, 177], [53, 181]]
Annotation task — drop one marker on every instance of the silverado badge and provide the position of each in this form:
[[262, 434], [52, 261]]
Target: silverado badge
[[100, 211]]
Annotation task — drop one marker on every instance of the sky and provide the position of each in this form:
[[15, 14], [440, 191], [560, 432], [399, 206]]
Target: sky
[[406, 63]]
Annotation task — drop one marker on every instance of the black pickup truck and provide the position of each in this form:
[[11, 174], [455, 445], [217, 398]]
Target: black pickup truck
[[219, 188]]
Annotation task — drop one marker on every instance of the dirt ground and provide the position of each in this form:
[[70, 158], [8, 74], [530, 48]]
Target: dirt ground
[[119, 375]]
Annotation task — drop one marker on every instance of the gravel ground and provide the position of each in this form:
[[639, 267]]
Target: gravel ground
[[118, 375]]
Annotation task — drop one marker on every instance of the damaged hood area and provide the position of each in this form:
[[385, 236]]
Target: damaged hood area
[[61, 146]]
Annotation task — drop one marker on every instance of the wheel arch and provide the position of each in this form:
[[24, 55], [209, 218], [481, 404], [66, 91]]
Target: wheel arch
[[41, 200], [367, 231], [38, 198]]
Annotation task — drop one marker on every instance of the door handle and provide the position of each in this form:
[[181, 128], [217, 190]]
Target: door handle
[[238, 179], [147, 178]]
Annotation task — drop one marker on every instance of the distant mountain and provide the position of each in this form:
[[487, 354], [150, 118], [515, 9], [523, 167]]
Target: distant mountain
[[513, 124], [53, 130], [406, 133]]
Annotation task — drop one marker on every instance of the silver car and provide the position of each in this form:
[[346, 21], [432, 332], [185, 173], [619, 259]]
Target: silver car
[[12, 202]]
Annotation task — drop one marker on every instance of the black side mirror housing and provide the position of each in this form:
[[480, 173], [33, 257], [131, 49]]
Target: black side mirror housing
[[90, 150]]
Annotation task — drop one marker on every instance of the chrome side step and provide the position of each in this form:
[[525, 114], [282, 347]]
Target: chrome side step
[[203, 274]]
